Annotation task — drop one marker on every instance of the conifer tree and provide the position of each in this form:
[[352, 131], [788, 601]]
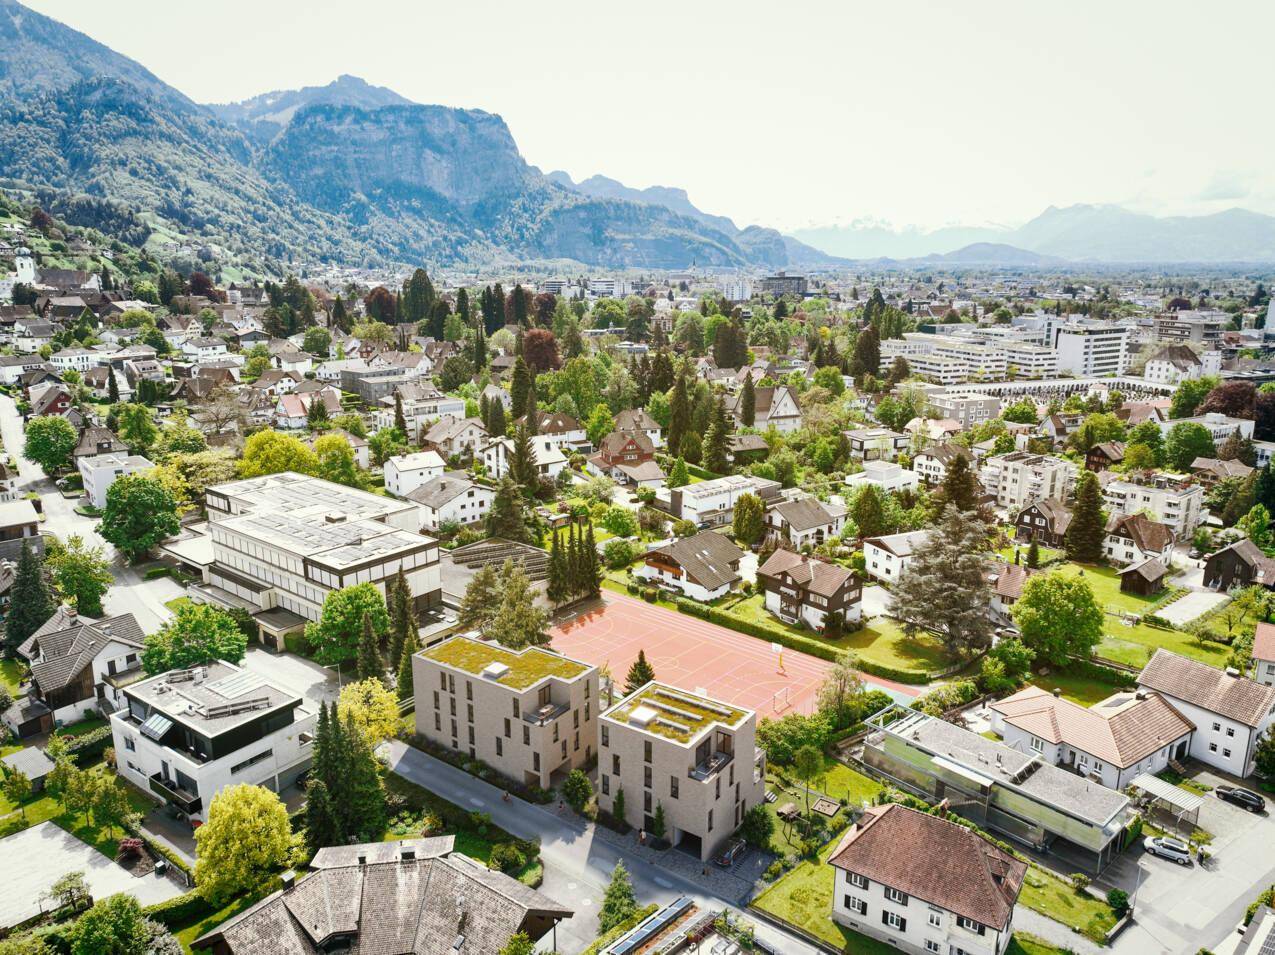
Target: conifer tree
[[320, 817], [591, 576], [484, 411], [680, 476], [370, 663], [505, 518], [679, 414], [717, 440], [366, 791], [402, 617], [520, 388], [640, 674], [533, 410], [498, 425], [400, 422], [1033, 555], [558, 591], [405, 690], [112, 386], [1087, 529], [748, 403], [30, 602], [522, 462], [960, 486]]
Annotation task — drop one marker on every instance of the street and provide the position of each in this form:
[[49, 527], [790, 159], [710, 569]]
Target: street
[[577, 863]]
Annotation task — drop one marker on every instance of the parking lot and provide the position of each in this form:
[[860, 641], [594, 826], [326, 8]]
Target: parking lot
[[1181, 909]]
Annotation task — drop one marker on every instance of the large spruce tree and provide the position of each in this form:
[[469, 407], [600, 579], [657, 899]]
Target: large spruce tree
[[1088, 527], [30, 603]]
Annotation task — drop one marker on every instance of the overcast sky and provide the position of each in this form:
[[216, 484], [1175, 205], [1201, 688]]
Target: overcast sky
[[916, 112]]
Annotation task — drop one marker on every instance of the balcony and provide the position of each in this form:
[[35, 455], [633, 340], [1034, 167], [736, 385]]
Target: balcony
[[710, 767], [545, 714], [173, 792]]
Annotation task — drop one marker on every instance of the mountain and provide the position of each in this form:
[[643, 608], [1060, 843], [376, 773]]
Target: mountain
[[1086, 233], [262, 117], [994, 254], [346, 172]]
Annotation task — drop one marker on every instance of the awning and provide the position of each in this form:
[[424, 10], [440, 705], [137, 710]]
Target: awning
[[1186, 801]]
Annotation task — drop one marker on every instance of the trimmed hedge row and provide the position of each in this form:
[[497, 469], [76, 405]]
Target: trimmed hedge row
[[793, 641], [89, 745], [180, 910]]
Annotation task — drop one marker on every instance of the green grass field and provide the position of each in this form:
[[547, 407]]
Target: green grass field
[[1056, 899], [1079, 689], [10, 674]]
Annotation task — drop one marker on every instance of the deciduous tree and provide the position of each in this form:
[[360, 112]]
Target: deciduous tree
[[335, 636], [139, 514], [272, 452], [1058, 618], [196, 634], [372, 707], [49, 442], [245, 838]]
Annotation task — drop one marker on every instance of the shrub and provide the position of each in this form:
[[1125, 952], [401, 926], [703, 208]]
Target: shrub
[[946, 697], [180, 910], [506, 857], [618, 553], [650, 594], [758, 827], [773, 871], [577, 790], [1079, 881], [1118, 899], [88, 746], [156, 572]]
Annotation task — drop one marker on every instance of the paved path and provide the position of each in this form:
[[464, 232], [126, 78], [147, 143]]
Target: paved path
[[1195, 604], [1031, 922], [33, 859], [577, 862]]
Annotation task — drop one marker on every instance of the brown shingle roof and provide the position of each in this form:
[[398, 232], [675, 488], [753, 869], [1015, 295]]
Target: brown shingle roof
[[817, 576], [1264, 642], [1148, 535], [934, 860], [1235, 697]]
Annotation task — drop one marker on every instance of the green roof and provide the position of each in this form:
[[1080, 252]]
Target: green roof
[[679, 715], [526, 667]]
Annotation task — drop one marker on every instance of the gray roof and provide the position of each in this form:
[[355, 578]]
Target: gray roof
[[66, 645], [335, 857], [804, 514], [708, 558], [900, 545], [29, 761], [212, 698], [446, 487]]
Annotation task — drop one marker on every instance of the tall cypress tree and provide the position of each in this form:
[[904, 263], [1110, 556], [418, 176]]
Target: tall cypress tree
[[499, 426], [112, 386], [717, 440], [748, 403], [679, 414], [1087, 529], [321, 827], [30, 603], [591, 580], [402, 618], [400, 421], [557, 591], [520, 387], [533, 410], [370, 663], [404, 689], [574, 574], [484, 411]]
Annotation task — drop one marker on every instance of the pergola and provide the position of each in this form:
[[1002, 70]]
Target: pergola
[[1174, 800]]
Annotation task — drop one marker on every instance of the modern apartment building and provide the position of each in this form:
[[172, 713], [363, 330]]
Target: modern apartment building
[[966, 408], [781, 283], [1173, 501], [1019, 478], [1220, 426], [1026, 360], [713, 502], [283, 542], [531, 714], [185, 735], [1093, 349], [685, 757], [1196, 327]]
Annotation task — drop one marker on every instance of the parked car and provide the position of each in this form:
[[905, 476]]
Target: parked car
[[1172, 849], [1241, 797], [733, 851]]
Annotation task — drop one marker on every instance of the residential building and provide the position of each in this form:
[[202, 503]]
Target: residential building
[[404, 473], [876, 444], [1220, 426], [1174, 364], [1264, 654], [1027, 360], [96, 440], [100, 471], [1169, 500], [627, 457], [781, 283], [1239, 565], [1112, 742], [1020, 478], [998, 787], [185, 735], [1044, 521], [886, 558], [454, 437], [423, 404], [549, 459], [1132, 538], [530, 714], [1230, 711], [78, 666], [801, 589], [1208, 471], [774, 406], [1104, 456], [885, 476], [712, 503], [924, 885], [204, 349], [412, 895], [638, 420], [560, 430], [1094, 349], [292, 410], [703, 567], [1007, 582], [19, 523], [805, 521], [451, 498], [74, 359], [966, 408], [931, 464], [1201, 328], [693, 757]]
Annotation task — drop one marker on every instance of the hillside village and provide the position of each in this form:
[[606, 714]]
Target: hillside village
[[795, 596]]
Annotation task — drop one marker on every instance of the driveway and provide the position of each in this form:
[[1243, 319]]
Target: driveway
[[1194, 605], [877, 602], [32, 860]]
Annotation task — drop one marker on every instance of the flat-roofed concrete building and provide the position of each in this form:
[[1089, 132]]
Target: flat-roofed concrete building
[[685, 754], [530, 714]]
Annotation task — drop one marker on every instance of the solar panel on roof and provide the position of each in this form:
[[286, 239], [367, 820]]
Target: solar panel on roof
[[236, 685]]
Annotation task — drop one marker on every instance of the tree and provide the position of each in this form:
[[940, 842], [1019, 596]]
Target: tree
[[1058, 618], [717, 439], [403, 625], [272, 452], [1264, 754], [196, 635], [1235, 399], [620, 521], [137, 427], [321, 826], [245, 838], [71, 891], [600, 424], [507, 518], [747, 523], [1187, 441], [317, 341], [111, 806], [618, 903], [640, 674], [16, 787], [944, 590], [30, 603], [1189, 395], [807, 766], [748, 403], [522, 460], [680, 477], [960, 485], [404, 687], [372, 708], [113, 926], [139, 514], [335, 637], [370, 664], [1022, 411], [1095, 429], [518, 622], [679, 414], [841, 691], [385, 444], [520, 386], [1257, 525], [49, 442], [482, 597], [577, 790], [866, 359], [540, 351], [112, 387], [1088, 528], [336, 460], [519, 943], [1033, 555]]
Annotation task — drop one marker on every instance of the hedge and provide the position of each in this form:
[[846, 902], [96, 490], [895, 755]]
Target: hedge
[[1099, 671], [181, 910], [156, 572], [795, 641], [627, 925], [89, 745]]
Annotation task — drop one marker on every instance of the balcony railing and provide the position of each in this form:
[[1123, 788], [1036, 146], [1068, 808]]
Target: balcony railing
[[545, 714], [710, 767], [173, 792]]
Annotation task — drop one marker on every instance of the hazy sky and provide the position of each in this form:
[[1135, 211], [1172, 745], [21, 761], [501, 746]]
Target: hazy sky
[[917, 112]]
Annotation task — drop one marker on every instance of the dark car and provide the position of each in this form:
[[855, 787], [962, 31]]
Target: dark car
[[1241, 797], [731, 854]]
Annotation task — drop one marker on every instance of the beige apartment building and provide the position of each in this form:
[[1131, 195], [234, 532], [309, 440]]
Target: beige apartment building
[[692, 756], [530, 714]]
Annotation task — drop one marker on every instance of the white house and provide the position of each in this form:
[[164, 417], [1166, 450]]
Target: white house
[[1220, 426], [806, 521], [773, 406], [203, 349], [100, 471], [1264, 654], [1133, 538], [452, 498], [455, 437], [76, 359], [885, 476], [806, 589], [404, 473], [1230, 711], [924, 885], [885, 558], [703, 567], [713, 502], [931, 464], [550, 461], [1169, 500]]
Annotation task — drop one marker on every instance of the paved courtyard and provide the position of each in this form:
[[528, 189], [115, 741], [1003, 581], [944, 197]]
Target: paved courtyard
[[32, 860], [1194, 605]]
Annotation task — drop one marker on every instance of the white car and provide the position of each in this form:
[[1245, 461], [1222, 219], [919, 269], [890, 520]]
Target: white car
[[1171, 849]]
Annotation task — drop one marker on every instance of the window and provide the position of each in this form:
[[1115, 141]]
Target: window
[[710, 820], [606, 735], [615, 764], [508, 728], [438, 723], [526, 736], [1230, 731], [606, 785], [442, 680], [894, 921], [535, 762], [936, 920], [564, 749], [575, 719], [932, 946], [856, 905], [672, 786], [858, 881], [646, 776], [500, 746], [251, 761], [1217, 727], [469, 690], [646, 802], [1212, 747], [130, 744], [894, 895], [646, 750], [470, 711], [1226, 753], [436, 704], [970, 925], [1037, 745]]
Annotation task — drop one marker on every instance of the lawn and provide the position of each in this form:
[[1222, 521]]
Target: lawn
[[839, 782], [1056, 899], [1134, 645], [1105, 582], [86, 725], [10, 675], [176, 603], [1079, 689], [43, 808]]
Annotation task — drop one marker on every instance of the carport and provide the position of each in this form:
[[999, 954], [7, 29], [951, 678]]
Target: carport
[[1170, 802]]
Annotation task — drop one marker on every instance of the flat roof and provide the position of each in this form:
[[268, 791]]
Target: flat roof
[[526, 667], [338, 544], [17, 512], [677, 714], [213, 698], [289, 492]]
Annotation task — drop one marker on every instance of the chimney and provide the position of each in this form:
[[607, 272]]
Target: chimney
[[289, 879], [407, 854], [71, 612], [1232, 672], [362, 858]]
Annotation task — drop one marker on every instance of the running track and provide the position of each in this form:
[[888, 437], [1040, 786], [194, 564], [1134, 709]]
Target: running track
[[692, 654]]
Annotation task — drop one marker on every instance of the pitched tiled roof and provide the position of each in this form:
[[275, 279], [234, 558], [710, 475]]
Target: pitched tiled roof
[[1055, 511], [1009, 579], [1120, 730], [804, 514], [707, 558], [1235, 697], [1221, 469], [1264, 642], [446, 487], [945, 454], [935, 860], [817, 576], [67, 649], [900, 545], [635, 419], [1146, 534], [1177, 355]]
